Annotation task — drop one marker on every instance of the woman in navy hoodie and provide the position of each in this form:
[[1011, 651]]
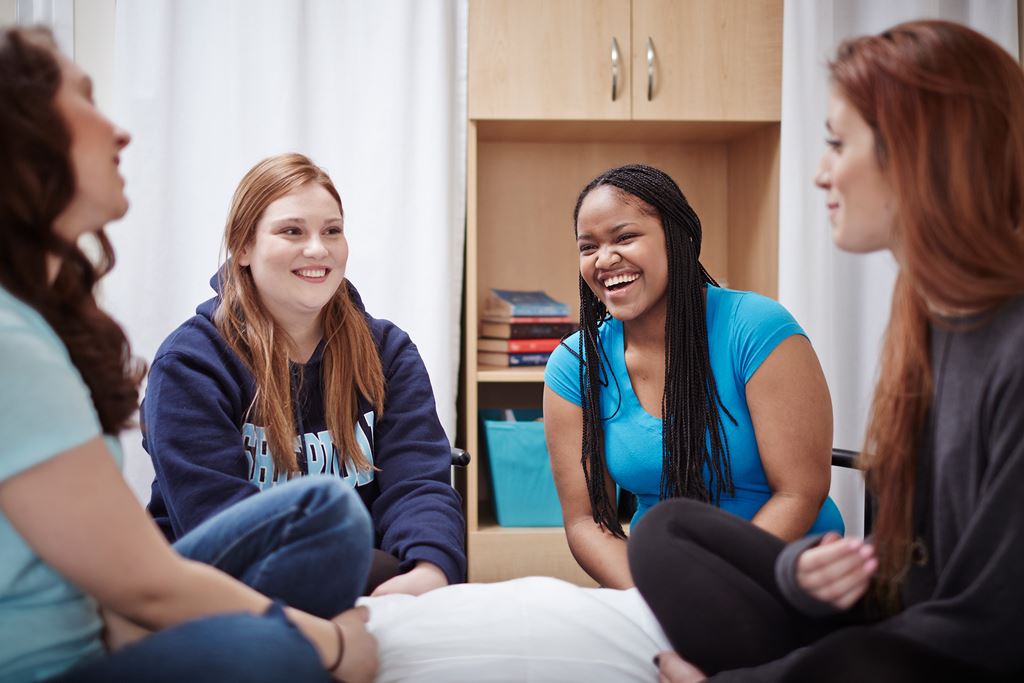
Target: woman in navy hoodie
[[284, 374]]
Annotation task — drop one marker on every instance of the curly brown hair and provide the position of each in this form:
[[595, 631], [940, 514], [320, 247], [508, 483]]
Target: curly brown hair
[[37, 183]]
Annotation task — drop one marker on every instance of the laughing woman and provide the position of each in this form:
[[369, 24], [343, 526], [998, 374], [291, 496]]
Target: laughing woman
[[284, 374], [696, 390]]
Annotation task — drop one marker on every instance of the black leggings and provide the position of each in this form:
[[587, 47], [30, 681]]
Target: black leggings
[[709, 578]]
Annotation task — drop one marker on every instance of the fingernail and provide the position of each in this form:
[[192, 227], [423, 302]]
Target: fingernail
[[657, 661]]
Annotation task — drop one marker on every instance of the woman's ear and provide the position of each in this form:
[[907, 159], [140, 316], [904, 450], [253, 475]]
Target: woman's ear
[[243, 257]]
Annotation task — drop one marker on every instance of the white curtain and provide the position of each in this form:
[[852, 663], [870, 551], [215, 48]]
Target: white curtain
[[843, 300], [373, 92], [59, 15]]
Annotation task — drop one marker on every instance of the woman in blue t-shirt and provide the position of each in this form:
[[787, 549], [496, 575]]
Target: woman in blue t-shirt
[[700, 391], [73, 539]]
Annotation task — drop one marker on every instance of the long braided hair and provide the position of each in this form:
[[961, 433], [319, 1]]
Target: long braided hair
[[690, 405]]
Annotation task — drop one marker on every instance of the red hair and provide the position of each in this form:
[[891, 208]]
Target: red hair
[[946, 105]]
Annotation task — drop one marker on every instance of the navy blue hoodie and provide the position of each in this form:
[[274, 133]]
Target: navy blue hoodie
[[208, 455]]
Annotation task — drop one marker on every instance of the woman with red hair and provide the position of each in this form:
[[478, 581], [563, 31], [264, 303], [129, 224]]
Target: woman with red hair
[[925, 158]]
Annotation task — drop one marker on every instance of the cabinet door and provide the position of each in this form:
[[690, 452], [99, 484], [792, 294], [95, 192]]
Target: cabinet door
[[715, 60], [548, 59]]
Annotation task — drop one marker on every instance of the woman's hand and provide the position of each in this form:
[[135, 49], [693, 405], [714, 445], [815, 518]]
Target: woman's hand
[[425, 576], [838, 570], [674, 669], [118, 632], [359, 659]]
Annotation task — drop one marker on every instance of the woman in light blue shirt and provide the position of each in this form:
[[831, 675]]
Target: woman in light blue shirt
[[72, 536]]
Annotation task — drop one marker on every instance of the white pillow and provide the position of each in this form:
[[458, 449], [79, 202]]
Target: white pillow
[[534, 629]]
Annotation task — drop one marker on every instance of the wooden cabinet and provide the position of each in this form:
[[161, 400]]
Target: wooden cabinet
[[697, 60], [533, 142], [707, 60], [548, 59]]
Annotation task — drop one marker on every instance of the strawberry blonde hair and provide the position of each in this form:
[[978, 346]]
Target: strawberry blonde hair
[[351, 363], [946, 105]]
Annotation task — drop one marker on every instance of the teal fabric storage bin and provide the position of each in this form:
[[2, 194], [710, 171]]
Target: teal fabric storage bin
[[524, 489]]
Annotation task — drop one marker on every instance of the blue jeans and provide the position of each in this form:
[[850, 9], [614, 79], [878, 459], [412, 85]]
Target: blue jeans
[[227, 647], [306, 543]]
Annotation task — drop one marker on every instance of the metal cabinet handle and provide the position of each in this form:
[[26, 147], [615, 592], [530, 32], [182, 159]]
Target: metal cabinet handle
[[615, 68], [650, 68]]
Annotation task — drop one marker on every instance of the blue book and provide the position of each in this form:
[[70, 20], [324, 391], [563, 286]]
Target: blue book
[[503, 304]]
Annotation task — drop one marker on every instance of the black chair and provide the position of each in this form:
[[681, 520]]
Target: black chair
[[848, 459], [460, 458]]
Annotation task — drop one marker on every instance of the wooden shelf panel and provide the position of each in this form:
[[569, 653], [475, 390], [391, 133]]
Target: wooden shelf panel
[[494, 374], [525, 130], [498, 553]]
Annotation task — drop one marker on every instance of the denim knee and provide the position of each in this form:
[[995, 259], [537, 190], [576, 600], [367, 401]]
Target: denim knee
[[266, 648], [336, 503]]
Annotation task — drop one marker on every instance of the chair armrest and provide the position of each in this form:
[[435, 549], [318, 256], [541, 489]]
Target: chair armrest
[[844, 458], [460, 458]]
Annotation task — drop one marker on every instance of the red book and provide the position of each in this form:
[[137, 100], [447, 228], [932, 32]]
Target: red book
[[518, 345]]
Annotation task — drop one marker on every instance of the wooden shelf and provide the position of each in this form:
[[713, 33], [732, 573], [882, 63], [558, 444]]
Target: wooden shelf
[[501, 553], [540, 130], [492, 528], [530, 374]]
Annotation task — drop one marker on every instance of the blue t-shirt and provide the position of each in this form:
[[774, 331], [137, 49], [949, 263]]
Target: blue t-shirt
[[743, 329], [46, 624]]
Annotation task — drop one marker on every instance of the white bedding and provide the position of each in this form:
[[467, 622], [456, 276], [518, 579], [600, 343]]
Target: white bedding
[[535, 629]]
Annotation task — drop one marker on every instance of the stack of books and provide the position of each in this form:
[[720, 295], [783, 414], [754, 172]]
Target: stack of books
[[520, 328]]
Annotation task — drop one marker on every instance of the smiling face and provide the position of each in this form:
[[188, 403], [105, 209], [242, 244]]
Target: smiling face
[[96, 145], [623, 257], [297, 255], [860, 198]]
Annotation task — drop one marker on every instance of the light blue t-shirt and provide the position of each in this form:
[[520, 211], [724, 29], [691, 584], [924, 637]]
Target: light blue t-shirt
[[743, 329], [46, 624]]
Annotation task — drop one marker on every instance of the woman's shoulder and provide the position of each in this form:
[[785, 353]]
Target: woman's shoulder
[[746, 312], [15, 313], [997, 342], [23, 327], [563, 367], [193, 336], [745, 302], [565, 355], [44, 402], [747, 326], [569, 351], [198, 342]]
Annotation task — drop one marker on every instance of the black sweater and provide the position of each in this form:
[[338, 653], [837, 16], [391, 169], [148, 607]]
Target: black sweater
[[966, 599]]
